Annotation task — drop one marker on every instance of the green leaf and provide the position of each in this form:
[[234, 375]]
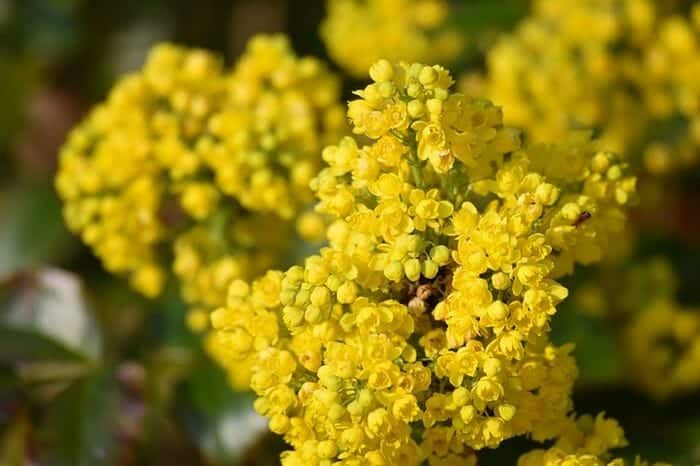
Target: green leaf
[[48, 29], [171, 322], [690, 436], [19, 75], [222, 421], [477, 15], [80, 426], [44, 319], [596, 354], [31, 228]]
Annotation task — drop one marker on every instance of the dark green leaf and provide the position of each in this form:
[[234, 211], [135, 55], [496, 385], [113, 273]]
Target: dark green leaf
[[31, 229], [80, 426], [477, 15]]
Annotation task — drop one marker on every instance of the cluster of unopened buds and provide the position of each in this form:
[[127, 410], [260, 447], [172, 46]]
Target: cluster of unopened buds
[[421, 332]]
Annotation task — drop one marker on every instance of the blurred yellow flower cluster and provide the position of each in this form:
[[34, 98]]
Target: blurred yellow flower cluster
[[201, 161], [357, 33], [626, 68], [421, 333], [659, 339], [662, 348], [190, 167]]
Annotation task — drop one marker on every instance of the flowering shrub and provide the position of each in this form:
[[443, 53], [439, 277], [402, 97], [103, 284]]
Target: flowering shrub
[[416, 273], [422, 330]]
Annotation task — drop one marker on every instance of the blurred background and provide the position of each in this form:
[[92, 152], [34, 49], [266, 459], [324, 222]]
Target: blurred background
[[91, 373]]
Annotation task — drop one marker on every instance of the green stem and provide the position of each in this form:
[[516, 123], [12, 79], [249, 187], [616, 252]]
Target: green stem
[[416, 173]]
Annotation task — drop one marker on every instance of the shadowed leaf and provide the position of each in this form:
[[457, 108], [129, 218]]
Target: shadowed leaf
[[44, 318]]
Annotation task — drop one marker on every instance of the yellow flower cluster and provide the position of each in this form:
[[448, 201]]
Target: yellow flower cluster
[[357, 33], [211, 167], [626, 68], [204, 171], [620, 290], [422, 331], [659, 339], [661, 347]]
